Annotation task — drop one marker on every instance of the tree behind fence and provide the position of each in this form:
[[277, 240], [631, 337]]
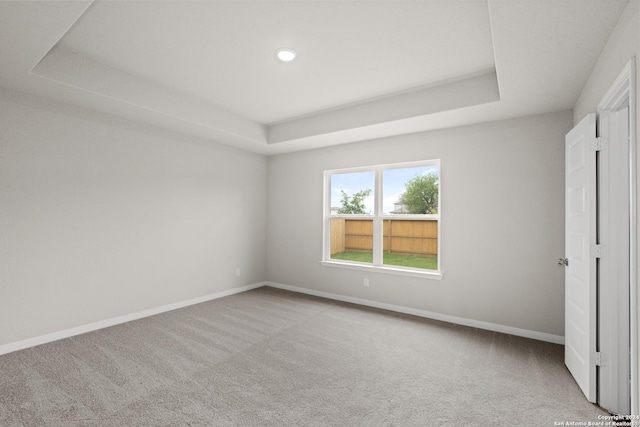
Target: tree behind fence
[[399, 236]]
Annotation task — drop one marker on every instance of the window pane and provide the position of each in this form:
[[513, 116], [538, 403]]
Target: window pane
[[411, 190], [410, 243], [352, 239], [352, 193]]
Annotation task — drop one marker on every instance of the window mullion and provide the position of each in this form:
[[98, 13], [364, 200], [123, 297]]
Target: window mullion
[[377, 220]]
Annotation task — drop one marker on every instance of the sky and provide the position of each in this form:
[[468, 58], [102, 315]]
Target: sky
[[392, 187]]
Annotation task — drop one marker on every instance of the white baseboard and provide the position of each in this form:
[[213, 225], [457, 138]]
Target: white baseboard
[[541, 336], [54, 336]]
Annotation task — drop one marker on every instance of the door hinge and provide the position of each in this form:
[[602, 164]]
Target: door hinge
[[598, 358], [598, 251], [598, 144]]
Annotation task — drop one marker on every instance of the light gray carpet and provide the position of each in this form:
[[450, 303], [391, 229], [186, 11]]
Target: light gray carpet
[[275, 358]]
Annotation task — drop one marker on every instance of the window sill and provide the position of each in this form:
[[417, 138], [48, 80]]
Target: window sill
[[432, 275]]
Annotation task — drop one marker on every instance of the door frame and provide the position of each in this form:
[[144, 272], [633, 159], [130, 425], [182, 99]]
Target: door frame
[[622, 95]]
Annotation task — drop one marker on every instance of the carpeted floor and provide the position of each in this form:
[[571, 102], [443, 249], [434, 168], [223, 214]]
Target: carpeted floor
[[269, 357]]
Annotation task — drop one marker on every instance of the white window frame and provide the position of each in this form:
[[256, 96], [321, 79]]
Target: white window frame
[[378, 217]]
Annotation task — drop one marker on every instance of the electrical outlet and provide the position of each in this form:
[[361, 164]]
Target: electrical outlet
[[237, 271], [366, 282]]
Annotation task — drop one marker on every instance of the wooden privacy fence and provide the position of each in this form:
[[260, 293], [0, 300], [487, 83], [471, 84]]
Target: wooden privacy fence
[[399, 236]]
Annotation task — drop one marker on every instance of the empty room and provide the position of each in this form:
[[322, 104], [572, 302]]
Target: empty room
[[319, 213]]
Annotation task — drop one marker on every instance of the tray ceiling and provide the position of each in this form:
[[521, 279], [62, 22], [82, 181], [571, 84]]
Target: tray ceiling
[[365, 69]]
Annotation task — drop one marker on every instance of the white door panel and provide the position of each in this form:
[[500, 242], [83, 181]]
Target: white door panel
[[580, 274]]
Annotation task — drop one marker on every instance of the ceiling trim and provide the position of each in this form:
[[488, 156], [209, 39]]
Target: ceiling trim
[[83, 73], [465, 92], [156, 104]]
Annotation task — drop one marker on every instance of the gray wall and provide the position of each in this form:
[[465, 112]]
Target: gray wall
[[101, 221], [502, 222], [623, 44]]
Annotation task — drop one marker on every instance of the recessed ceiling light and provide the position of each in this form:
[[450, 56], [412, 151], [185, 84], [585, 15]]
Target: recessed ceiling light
[[285, 54]]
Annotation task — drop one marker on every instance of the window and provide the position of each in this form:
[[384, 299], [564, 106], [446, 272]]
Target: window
[[384, 217]]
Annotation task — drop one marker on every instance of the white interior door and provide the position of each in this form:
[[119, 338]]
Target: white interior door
[[580, 240]]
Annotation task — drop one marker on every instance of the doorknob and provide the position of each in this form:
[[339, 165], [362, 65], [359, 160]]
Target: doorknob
[[563, 261]]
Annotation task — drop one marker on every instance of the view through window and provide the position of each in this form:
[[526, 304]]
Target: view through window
[[384, 215]]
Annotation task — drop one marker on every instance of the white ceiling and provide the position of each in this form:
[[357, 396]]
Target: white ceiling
[[365, 69]]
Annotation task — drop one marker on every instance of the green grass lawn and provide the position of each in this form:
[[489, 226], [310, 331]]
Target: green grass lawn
[[429, 262]]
